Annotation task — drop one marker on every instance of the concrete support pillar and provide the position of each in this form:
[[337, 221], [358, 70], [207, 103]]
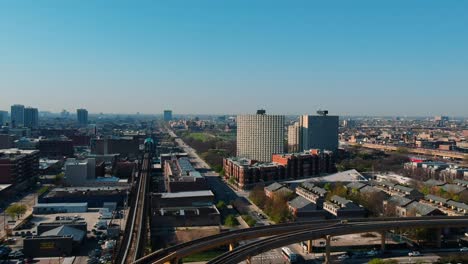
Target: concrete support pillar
[[231, 246], [438, 232], [382, 240], [327, 249], [248, 260], [172, 261], [309, 246]]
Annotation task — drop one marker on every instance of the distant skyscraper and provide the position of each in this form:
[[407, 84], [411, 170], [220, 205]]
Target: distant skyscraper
[[82, 115], [259, 136], [319, 132], [3, 117], [31, 117], [17, 115], [64, 114], [293, 137], [167, 115]]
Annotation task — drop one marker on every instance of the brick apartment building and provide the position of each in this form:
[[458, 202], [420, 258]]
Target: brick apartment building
[[247, 173], [56, 147], [18, 167]]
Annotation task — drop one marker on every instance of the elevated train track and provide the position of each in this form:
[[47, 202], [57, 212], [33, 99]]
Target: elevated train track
[[175, 253], [132, 243], [249, 250]]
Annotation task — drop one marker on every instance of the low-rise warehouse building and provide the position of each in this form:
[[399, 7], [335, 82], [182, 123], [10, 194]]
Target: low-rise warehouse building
[[96, 197], [53, 208]]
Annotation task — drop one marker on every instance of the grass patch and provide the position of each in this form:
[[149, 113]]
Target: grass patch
[[200, 136], [249, 220], [203, 256], [227, 136]]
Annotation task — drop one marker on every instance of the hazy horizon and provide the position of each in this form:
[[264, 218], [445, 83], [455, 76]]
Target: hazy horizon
[[359, 58]]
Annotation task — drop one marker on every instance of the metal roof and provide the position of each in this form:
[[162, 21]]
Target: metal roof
[[436, 198], [64, 230], [301, 203], [186, 194], [399, 200], [421, 209]]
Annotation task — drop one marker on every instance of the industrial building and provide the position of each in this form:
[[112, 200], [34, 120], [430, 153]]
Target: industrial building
[[78, 172], [128, 146], [180, 176], [57, 147], [53, 208], [96, 197], [179, 209]]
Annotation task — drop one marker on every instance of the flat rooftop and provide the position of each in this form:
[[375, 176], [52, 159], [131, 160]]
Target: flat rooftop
[[186, 194], [344, 176]]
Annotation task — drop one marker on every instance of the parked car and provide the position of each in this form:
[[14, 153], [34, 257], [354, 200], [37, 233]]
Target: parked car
[[343, 257], [372, 253], [464, 249], [414, 254], [16, 254]]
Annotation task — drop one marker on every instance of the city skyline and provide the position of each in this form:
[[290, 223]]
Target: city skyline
[[360, 58]]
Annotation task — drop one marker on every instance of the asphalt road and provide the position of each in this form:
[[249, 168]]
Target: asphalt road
[[27, 198], [223, 192]]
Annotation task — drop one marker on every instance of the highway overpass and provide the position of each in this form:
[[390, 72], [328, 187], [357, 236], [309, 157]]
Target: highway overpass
[[247, 251], [419, 151], [287, 233]]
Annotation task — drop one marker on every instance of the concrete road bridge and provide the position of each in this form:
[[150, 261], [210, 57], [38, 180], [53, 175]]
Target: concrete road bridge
[[285, 234]]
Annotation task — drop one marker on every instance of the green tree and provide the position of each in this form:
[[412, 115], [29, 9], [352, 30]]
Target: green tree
[[221, 205], [258, 197], [249, 220], [381, 261], [232, 181], [58, 180], [376, 261], [231, 221], [16, 210], [42, 190], [425, 190], [402, 150]]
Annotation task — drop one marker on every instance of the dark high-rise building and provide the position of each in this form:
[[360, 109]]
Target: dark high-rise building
[[3, 117], [17, 115], [56, 147], [82, 115], [31, 117], [167, 115], [319, 131]]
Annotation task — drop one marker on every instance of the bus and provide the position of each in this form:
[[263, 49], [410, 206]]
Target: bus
[[290, 256]]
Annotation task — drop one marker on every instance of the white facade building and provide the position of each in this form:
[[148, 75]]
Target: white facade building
[[293, 138], [78, 172], [259, 136]]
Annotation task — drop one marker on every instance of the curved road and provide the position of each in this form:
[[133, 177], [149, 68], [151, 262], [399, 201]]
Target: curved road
[[249, 250], [206, 243]]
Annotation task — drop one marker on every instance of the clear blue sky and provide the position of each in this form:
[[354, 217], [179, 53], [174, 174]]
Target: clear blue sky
[[198, 56]]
